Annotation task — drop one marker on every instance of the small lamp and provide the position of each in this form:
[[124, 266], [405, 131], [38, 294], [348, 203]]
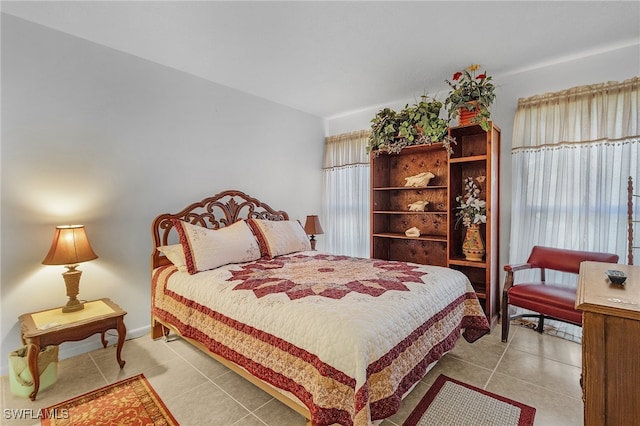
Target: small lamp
[[70, 246], [312, 227]]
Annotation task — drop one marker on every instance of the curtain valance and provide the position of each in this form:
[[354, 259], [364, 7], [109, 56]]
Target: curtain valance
[[598, 112], [346, 149]]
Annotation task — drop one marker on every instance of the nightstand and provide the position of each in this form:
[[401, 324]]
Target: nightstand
[[52, 327]]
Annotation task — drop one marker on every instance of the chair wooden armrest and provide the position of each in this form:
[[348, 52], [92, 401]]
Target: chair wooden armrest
[[508, 281], [517, 267]]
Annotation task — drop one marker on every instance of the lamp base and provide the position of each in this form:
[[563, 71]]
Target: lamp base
[[72, 282], [312, 240], [73, 306]]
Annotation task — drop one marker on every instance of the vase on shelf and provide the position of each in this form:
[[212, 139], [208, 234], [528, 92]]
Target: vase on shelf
[[465, 115], [473, 246]]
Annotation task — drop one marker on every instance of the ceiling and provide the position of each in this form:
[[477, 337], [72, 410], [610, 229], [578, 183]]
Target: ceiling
[[330, 58]]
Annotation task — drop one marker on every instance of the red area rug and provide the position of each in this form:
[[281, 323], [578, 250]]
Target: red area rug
[[130, 401], [451, 402]]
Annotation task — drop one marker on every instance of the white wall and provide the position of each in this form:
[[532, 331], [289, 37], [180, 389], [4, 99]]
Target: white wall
[[614, 65], [94, 136]]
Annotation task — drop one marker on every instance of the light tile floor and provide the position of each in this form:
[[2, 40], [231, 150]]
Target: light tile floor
[[539, 370]]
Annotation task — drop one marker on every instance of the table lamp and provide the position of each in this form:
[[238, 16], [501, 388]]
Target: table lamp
[[312, 227], [70, 246]]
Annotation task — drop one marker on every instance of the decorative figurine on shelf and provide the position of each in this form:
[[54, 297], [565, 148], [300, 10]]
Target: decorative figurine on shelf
[[421, 179], [412, 232], [418, 206], [472, 211]]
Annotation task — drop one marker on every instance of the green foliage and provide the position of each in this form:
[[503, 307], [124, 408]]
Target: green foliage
[[420, 123]]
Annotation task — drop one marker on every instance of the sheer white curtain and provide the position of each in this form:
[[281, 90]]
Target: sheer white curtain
[[345, 207], [572, 154]]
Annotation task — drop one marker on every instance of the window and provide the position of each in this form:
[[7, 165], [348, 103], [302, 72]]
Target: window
[[572, 154], [345, 212]]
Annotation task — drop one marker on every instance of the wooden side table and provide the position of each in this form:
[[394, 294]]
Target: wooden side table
[[52, 327]]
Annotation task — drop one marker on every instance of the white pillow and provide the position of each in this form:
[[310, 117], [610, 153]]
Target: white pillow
[[278, 237], [210, 248], [175, 254]]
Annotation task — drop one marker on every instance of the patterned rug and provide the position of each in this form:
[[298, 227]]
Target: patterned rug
[[450, 402], [130, 401]]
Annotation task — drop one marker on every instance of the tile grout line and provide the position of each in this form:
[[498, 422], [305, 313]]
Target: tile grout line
[[98, 367], [248, 415], [508, 344]]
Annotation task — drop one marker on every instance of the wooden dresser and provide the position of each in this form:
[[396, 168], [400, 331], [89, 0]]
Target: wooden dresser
[[610, 344]]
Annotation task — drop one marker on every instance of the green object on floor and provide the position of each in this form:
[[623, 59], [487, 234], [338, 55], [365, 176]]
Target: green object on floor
[[20, 377]]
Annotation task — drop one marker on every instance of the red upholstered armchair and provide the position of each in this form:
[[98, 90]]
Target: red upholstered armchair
[[547, 299]]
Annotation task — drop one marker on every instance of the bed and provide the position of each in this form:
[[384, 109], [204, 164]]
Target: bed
[[338, 339]]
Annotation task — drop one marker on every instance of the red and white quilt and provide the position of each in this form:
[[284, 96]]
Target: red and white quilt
[[347, 336]]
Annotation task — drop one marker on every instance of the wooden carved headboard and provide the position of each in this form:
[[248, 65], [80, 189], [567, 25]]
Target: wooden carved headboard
[[214, 212]]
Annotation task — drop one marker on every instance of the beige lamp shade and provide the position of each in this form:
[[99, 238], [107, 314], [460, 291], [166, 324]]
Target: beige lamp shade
[[70, 246], [312, 226]]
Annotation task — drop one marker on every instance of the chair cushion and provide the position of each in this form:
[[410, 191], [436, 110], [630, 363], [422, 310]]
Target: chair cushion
[[548, 299]]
